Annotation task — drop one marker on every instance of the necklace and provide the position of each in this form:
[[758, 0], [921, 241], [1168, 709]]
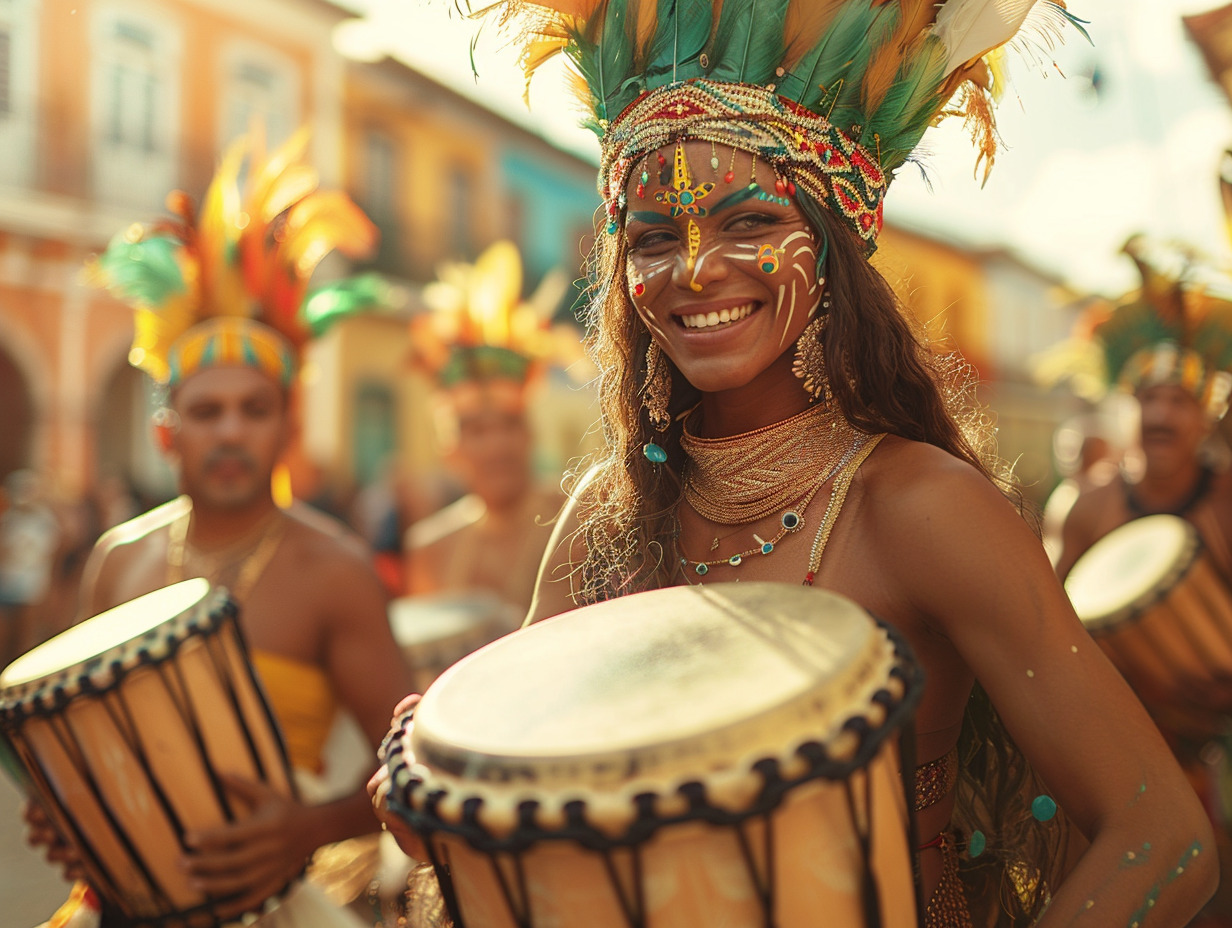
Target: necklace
[[251, 552], [792, 520], [742, 478]]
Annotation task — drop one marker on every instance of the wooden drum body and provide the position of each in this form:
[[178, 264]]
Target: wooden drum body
[[124, 724], [687, 758], [1148, 592]]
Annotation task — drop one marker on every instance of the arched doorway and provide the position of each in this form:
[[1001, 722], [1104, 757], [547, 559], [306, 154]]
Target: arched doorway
[[16, 416], [125, 444]]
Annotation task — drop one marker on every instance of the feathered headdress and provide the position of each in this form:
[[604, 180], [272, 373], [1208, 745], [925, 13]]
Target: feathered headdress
[[479, 327], [834, 93], [242, 265], [1175, 328]]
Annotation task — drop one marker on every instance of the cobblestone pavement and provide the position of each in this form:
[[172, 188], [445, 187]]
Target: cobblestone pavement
[[30, 889]]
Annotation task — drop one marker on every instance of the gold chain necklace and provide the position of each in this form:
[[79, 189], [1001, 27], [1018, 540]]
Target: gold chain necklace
[[746, 477], [252, 552], [792, 520]]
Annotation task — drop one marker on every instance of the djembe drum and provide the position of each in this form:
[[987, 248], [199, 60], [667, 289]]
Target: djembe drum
[[124, 724], [1148, 593], [684, 758], [435, 631]]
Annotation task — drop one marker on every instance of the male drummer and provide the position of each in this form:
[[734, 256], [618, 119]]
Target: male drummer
[[479, 346], [1169, 343], [312, 608]]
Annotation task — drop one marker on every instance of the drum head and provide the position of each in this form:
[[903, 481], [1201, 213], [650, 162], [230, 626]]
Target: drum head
[[105, 631], [645, 685], [417, 620], [1130, 568]]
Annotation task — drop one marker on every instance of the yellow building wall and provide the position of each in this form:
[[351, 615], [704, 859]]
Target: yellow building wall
[[942, 288]]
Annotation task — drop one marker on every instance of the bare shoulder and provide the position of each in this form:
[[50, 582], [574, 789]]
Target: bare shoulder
[[449, 520], [322, 542], [565, 551], [911, 478], [1094, 502], [142, 526], [117, 549]]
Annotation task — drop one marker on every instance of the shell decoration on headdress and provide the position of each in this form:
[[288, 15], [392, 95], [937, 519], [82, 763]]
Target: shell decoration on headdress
[[836, 94], [1175, 328], [246, 258], [479, 328]]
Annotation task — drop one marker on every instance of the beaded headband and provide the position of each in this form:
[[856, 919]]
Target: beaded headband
[[1176, 328], [231, 341], [802, 145]]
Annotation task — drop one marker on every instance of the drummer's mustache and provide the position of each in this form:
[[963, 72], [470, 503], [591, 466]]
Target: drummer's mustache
[[228, 455], [1158, 431]]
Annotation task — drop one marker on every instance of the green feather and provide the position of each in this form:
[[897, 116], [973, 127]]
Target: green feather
[[145, 272], [748, 41], [681, 32], [602, 51], [898, 124], [829, 76], [334, 301], [1130, 329]]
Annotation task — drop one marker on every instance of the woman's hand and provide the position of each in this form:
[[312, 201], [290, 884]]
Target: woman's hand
[[379, 786]]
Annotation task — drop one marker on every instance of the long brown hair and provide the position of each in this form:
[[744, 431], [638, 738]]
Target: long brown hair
[[890, 382], [885, 379]]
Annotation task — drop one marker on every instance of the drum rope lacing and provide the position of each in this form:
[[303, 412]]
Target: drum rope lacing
[[646, 822], [155, 650]]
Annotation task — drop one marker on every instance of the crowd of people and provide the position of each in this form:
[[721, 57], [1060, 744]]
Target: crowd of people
[[768, 414]]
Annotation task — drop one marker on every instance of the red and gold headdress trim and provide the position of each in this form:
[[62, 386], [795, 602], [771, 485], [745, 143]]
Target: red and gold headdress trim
[[802, 145]]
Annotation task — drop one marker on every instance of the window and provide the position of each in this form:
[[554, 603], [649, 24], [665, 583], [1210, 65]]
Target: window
[[380, 175], [375, 430], [378, 195], [460, 206], [18, 44], [259, 86], [135, 90]]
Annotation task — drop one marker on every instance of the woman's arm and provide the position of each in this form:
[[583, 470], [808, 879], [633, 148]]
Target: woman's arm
[[564, 553], [973, 572]]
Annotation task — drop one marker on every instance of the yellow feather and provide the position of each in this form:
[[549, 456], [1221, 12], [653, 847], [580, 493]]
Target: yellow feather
[[804, 24], [222, 286], [318, 224], [536, 53], [880, 76]]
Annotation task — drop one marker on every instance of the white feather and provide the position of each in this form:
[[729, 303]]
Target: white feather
[[970, 29]]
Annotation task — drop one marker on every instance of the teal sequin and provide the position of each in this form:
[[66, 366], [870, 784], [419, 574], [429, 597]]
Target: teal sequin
[[654, 453], [976, 844], [1043, 808]]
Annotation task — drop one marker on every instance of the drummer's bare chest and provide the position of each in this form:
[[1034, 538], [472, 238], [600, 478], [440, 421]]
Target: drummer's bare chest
[[281, 614]]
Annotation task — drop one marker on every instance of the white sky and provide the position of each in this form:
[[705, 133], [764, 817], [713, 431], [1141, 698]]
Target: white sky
[[1078, 173]]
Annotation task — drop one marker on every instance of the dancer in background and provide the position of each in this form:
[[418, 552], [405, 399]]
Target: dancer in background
[[486, 349], [218, 302], [1169, 343]]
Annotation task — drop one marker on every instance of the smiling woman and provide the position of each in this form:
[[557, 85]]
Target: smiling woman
[[769, 415]]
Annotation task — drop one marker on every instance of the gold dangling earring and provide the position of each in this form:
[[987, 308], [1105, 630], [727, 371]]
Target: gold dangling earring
[[809, 364], [657, 390]]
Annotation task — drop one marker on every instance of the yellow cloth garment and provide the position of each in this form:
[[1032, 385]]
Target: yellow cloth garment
[[303, 702]]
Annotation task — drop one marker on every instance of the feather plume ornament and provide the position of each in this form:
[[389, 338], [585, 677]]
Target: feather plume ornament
[[1176, 327], [798, 78], [248, 254], [479, 327]]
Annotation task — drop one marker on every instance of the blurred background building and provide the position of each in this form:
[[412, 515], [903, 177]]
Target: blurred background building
[[106, 105]]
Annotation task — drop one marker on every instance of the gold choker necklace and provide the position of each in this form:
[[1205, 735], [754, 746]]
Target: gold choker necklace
[[243, 560], [746, 477]]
